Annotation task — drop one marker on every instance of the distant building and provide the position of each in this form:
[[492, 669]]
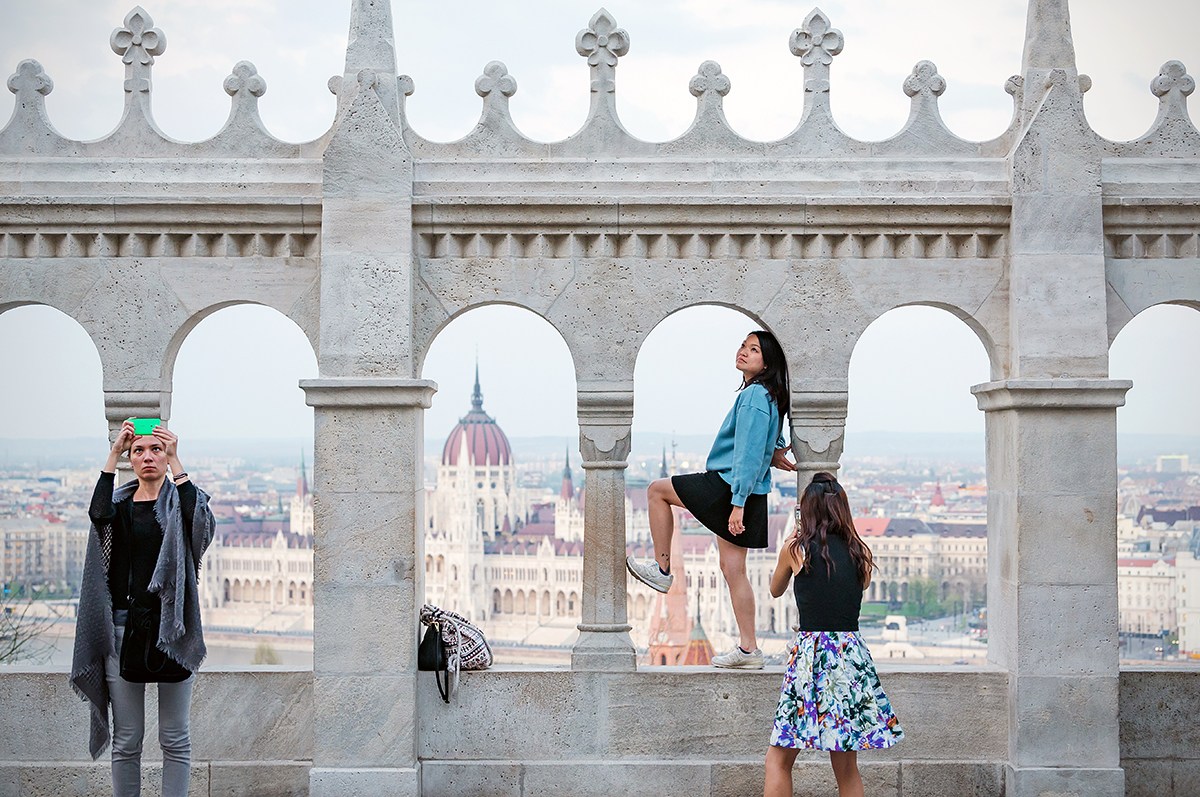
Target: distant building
[[261, 562], [1171, 463], [36, 553], [1147, 594], [952, 555]]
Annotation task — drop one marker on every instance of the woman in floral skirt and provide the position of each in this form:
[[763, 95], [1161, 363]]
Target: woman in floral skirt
[[831, 697]]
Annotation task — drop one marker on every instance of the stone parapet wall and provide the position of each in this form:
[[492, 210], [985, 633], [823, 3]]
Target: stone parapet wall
[[518, 733]]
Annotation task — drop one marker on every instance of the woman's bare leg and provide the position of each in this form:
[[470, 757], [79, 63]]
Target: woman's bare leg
[[733, 567], [845, 769], [779, 771], [661, 496]]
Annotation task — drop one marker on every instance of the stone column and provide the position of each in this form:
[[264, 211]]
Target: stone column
[[367, 504], [818, 419], [1052, 579], [122, 404], [605, 417], [368, 481]]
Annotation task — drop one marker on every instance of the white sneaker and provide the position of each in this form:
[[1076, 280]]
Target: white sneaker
[[649, 574], [738, 660]]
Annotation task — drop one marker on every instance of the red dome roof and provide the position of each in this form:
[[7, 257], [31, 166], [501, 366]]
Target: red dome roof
[[486, 442]]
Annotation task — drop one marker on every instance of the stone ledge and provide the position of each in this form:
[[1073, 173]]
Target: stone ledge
[[1051, 394], [358, 393]]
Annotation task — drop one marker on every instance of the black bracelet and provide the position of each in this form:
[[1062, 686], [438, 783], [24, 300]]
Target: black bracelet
[[179, 476]]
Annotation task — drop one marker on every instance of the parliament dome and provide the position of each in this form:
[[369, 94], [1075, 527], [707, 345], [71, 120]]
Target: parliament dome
[[486, 443]]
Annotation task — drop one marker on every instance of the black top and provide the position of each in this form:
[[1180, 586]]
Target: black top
[[828, 602], [137, 539]]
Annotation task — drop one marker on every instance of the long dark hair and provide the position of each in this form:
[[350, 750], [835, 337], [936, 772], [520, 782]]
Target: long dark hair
[[774, 375], [825, 510]]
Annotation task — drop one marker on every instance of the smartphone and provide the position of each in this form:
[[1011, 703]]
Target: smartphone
[[144, 426]]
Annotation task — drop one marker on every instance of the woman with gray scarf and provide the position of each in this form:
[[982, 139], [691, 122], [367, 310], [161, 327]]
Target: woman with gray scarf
[[144, 549]]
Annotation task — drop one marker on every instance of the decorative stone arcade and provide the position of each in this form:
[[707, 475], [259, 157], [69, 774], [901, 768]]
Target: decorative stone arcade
[[1045, 241]]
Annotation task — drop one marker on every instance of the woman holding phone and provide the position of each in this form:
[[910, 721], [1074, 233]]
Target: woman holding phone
[[143, 558], [831, 698], [730, 497]]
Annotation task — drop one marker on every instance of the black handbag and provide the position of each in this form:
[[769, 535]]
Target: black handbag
[[141, 660], [432, 657]]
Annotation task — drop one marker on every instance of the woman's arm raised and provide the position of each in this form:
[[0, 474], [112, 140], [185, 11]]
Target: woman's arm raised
[[786, 566]]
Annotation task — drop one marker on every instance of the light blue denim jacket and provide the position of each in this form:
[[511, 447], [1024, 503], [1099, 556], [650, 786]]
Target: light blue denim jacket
[[742, 452]]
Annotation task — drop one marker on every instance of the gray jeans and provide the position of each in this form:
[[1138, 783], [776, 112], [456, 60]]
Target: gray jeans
[[129, 726]]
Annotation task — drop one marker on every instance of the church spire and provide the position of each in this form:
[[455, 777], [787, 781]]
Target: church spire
[[567, 491], [662, 473], [477, 394]]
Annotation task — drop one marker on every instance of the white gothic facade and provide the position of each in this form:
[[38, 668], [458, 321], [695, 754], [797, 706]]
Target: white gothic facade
[[1045, 241]]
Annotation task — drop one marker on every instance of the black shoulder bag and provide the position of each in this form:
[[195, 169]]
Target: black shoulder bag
[[141, 660], [432, 656]]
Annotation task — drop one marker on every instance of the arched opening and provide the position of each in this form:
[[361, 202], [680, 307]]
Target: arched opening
[[914, 470], [1158, 456], [234, 372], [685, 383], [505, 376]]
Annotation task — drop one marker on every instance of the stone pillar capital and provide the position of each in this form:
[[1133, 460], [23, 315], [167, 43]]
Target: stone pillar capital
[[1051, 394], [360, 392], [818, 419], [122, 404], [605, 418]]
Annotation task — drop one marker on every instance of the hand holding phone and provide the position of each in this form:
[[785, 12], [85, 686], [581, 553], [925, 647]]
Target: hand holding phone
[[145, 426]]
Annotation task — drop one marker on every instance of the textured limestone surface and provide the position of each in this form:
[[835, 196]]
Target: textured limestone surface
[[1045, 242]]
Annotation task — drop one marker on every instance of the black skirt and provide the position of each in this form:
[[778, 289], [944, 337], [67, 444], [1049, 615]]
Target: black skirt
[[709, 499]]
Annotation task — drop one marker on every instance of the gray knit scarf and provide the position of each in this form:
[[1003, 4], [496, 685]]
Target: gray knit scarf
[[179, 632]]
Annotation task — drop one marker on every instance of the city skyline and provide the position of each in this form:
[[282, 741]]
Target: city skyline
[[237, 371]]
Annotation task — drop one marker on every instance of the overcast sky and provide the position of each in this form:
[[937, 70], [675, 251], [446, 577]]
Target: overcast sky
[[237, 372]]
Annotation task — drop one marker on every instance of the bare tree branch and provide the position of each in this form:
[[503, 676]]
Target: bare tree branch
[[20, 634]]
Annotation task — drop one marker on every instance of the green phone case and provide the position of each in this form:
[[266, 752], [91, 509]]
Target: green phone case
[[144, 426]]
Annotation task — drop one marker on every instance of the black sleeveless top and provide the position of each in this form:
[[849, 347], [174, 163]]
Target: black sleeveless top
[[828, 602]]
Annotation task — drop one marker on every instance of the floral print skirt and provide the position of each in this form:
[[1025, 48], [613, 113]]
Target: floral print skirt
[[831, 697]]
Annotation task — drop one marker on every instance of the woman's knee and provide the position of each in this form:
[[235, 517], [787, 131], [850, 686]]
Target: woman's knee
[[176, 744], [844, 763], [781, 758], [733, 565], [661, 490]]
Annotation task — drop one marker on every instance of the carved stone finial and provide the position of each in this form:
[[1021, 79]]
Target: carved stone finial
[[602, 42], [924, 80], [495, 78], [137, 43], [1013, 85], [1172, 86], [1173, 79], [815, 41], [30, 78], [245, 80], [709, 80]]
